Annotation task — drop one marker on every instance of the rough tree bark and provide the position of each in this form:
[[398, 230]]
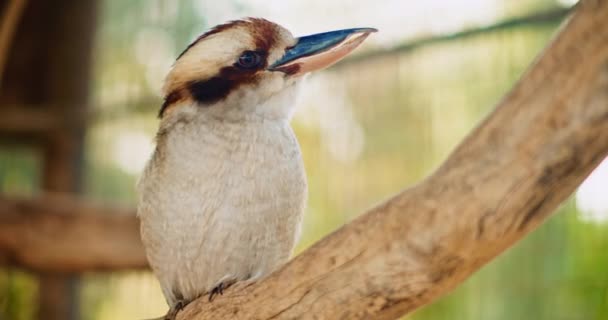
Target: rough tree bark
[[505, 179], [55, 233]]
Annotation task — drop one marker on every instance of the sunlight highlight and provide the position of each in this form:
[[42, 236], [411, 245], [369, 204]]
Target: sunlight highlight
[[132, 150], [592, 195], [567, 3]]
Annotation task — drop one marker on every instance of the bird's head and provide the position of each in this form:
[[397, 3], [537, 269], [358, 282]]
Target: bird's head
[[249, 67]]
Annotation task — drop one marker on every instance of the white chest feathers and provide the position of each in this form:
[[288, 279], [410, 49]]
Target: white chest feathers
[[220, 202]]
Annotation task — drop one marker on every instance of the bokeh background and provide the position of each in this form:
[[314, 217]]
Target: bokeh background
[[369, 126]]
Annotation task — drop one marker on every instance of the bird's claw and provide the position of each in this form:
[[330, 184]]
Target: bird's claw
[[219, 289], [181, 304]]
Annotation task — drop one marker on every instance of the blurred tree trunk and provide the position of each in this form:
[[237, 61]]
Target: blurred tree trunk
[[48, 68]]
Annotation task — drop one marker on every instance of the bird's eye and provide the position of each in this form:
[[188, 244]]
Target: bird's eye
[[249, 60]]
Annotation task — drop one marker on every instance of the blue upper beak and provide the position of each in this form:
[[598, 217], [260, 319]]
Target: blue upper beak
[[315, 44]]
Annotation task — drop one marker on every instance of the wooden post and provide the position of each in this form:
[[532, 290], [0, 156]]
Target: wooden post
[[48, 67]]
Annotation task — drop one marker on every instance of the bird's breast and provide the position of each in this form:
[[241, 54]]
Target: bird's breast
[[221, 200], [215, 177]]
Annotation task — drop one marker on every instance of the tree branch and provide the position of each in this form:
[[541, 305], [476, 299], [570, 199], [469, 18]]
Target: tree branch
[[61, 234], [506, 178], [10, 18]]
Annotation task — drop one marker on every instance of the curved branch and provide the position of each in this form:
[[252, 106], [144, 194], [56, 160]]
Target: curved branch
[[505, 179]]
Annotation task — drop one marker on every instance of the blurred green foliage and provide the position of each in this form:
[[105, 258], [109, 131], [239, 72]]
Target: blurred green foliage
[[19, 175]]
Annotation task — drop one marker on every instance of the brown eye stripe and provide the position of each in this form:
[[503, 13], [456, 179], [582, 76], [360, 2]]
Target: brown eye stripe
[[209, 91]]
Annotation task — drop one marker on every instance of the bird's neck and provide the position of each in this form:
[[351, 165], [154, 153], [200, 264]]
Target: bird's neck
[[191, 130], [194, 147]]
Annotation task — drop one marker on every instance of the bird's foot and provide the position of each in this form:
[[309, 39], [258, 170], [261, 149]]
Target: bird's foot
[[172, 313], [219, 289]]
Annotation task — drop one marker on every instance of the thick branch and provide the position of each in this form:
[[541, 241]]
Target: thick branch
[[56, 233], [506, 178]]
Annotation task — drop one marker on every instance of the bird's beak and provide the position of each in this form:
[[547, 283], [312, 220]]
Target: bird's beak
[[320, 50]]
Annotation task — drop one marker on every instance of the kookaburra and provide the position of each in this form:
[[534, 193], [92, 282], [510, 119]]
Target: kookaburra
[[221, 200]]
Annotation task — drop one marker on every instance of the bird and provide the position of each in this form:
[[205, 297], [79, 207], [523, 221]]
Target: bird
[[221, 200]]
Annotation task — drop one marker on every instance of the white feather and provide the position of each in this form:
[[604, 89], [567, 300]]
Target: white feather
[[221, 199]]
